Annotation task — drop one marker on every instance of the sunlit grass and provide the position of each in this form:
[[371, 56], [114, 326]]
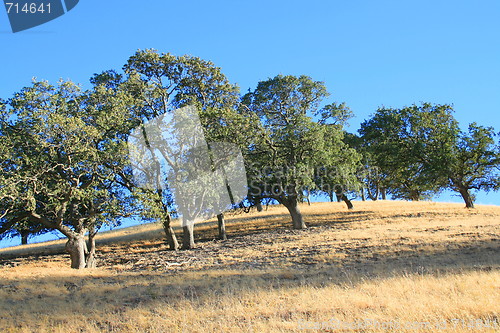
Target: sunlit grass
[[423, 266]]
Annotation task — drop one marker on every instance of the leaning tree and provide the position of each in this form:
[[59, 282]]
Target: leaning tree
[[55, 147], [422, 150], [291, 144], [475, 163], [411, 148], [161, 83]]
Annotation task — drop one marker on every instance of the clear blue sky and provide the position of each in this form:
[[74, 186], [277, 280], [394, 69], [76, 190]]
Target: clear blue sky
[[369, 53]]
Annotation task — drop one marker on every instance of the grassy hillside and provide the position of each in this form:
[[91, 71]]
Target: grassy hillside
[[385, 266]]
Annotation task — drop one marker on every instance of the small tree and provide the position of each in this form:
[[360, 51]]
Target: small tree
[[23, 229], [411, 148], [338, 176], [475, 163], [422, 151], [370, 180]]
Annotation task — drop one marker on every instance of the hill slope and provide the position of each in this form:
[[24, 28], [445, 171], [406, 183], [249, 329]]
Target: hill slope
[[381, 265]]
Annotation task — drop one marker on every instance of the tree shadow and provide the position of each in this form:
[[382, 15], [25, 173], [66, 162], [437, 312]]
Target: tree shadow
[[109, 293]]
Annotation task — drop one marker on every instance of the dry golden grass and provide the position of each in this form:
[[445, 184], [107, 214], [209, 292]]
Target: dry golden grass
[[384, 267]]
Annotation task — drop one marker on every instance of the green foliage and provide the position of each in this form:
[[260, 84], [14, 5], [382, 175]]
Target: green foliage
[[294, 152], [420, 151], [336, 114], [339, 174], [164, 82], [56, 145], [159, 83], [475, 164], [411, 147], [64, 158]]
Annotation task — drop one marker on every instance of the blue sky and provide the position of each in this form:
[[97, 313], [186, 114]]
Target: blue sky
[[369, 53]]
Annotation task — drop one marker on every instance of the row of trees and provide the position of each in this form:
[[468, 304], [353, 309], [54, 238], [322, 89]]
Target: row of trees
[[65, 165], [419, 151]]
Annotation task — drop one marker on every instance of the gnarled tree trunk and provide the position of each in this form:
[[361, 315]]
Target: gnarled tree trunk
[[464, 192], [344, 198], [24, 237], [383, 193], [292, 205], [90, 257], [77, 249], [172, 242], [372, 196]]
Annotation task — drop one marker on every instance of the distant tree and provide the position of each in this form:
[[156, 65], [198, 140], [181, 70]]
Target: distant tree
[[337, 177], [55, 147], [368, 178], [475, 163], [411, 148], [421, 151], [24, 230]]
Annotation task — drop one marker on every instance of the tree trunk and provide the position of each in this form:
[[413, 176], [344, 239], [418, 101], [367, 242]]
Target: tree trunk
[[258, 204], [172, 242], [222, 226], [363, 197], [90, 258], [293, 207], [77, 249], [24, 237], [339, 197], [372, 196], [414, 195], [188, 236], [383, 193], [347, 201], [464, 192], [330, 195]]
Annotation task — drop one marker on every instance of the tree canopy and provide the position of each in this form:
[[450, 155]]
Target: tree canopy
[[160, 83], [291, 145], [420, 150], [475, 162], [55, 147], [411, 146]]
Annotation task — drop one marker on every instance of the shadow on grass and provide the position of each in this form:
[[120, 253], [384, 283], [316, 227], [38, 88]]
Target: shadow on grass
[[109, 293], [118, 291], [237, 226]]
